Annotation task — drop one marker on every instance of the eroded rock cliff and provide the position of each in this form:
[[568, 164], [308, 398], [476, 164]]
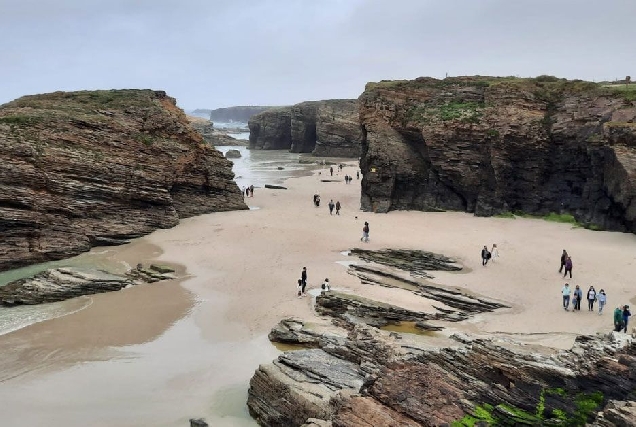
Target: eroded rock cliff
[[327, 128], [81, 169], [489, 145]]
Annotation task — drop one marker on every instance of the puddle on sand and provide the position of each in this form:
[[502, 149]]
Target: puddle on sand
[[290, 347], [409, 328]]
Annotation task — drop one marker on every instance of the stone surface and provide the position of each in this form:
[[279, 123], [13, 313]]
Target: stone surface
[[233, 154], [198, 422], [81, 169], [236, 114], [489, 145], [326, 128], [63, 283], [210, 134]]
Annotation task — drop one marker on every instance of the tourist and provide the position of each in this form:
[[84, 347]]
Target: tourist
[[251, 191], [576, 299], [626, 315], [565, 291], [494, 253], [357, 174], [365, 232], [303, 279], [317, 200], [591, 298], [300, 288], [331, 170], [338, 207], [331, 206], [485, 255], [325, 285], [618, 319], [564, 256], [602, 299], [247, 192], [568, 267]]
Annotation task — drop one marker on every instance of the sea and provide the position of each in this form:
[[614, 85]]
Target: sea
[[254, 167]]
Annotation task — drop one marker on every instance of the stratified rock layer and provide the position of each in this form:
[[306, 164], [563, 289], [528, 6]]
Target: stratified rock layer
[[80, 169], [327, 128], [488, 145]]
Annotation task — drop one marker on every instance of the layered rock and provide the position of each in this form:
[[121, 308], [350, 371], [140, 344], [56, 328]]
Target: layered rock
[[80, 169], [211, 135], [490, 145], [236, 114], [325, 128], [63, 283]]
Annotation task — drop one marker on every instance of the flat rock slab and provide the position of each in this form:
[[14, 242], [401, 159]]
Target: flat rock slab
[[275, 187]]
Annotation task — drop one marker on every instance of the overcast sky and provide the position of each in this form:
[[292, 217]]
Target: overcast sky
[[216, 53]]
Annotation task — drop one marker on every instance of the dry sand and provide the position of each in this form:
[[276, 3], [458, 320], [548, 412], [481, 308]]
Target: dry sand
[[244, 267]]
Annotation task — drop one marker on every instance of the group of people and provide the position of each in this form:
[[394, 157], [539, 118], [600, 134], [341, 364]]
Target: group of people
[[348, 179], [249, 191], [621, 313], [302, 283], [332, 206], [487, 255]]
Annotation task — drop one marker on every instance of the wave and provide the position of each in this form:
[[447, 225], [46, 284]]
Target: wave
[[16, 318]]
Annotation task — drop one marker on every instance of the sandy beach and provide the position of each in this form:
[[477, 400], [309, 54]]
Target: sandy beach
[[162, 353]]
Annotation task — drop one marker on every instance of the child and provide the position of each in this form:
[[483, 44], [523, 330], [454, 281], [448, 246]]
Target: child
[[300, 288], [326, 286]]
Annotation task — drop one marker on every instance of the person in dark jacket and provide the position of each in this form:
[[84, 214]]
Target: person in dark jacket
[[303, 278], [338, 207], [331, 206], [485, 255], [618, 319], [564, 256], [568, 267], [626, 315]]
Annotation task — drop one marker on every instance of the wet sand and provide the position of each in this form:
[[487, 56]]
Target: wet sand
[[161, 353]]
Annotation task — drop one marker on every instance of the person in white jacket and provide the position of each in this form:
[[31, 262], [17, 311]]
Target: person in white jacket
[[494, 253], [602, 299]]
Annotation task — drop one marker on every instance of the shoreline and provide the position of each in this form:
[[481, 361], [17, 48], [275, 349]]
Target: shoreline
[[242, 269]]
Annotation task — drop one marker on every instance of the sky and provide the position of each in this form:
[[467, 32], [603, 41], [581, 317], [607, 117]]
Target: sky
[[219, 53]]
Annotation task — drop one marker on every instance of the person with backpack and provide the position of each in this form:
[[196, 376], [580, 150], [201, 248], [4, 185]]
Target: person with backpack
[[485, 256], [365, 232], [326, 286]]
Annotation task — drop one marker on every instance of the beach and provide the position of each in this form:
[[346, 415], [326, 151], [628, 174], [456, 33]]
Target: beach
[[159, 354]]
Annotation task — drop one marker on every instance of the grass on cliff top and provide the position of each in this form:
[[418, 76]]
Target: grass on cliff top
[[115, 99], [627, 92]]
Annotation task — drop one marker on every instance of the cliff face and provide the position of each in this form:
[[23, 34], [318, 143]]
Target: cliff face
[[82, 169], [236, 114], [211, 135], [325, 128], [489, 145]]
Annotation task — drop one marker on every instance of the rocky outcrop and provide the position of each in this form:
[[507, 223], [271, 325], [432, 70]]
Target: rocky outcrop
[[325, 128], [271, 129], [211, 135], [490, 145], [80, 169], [233, 154], [236, 114], [63, 283], [338, 130]]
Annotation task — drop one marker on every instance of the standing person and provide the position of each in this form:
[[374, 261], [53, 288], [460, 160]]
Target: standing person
[[331, 170], [357, 174], [303, 279], [564, 256], [591, 297], [565, 291], [325, 285], [300, 288], [568, 266], [365, 232], [251, 191], [602, 299], [338, 207], [576, 302], [331, 206], [494, 253], [626, 315], [247, 191], [485, 255], [618, 319]]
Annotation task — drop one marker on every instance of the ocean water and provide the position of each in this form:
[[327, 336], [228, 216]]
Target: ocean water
[[234, 125], [14, 318]]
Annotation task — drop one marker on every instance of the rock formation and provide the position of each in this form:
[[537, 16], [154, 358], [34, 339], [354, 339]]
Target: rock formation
[[236, 114], [491, 145], [63, 283], [81, 169], [233, 154], [325, 128], [351, 373], [211, 135]]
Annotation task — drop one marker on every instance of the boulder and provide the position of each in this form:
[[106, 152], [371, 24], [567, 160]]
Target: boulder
[[275, 187], [81, 169], [233, 154]]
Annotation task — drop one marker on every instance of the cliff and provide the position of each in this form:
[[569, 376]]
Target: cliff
[[490, 145], [81, 169], [211, 135], [236, 114], [327, 128]]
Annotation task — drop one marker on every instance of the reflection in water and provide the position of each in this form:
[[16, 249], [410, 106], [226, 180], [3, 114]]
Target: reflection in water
[[408, 328]]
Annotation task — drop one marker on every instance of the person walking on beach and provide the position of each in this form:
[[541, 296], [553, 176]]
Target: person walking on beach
[[338, 207], [331, 170], [300, 288], [331, 206], [494, 253], [251, 191], [564, 256], [303, 279], [568, 267], [618, 319], [626, 315], [325, 285], [565, 291], [365, 232], [485, 255], [247, 191], [602, 299], [357, 174], [578, 297], [591, 298]]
